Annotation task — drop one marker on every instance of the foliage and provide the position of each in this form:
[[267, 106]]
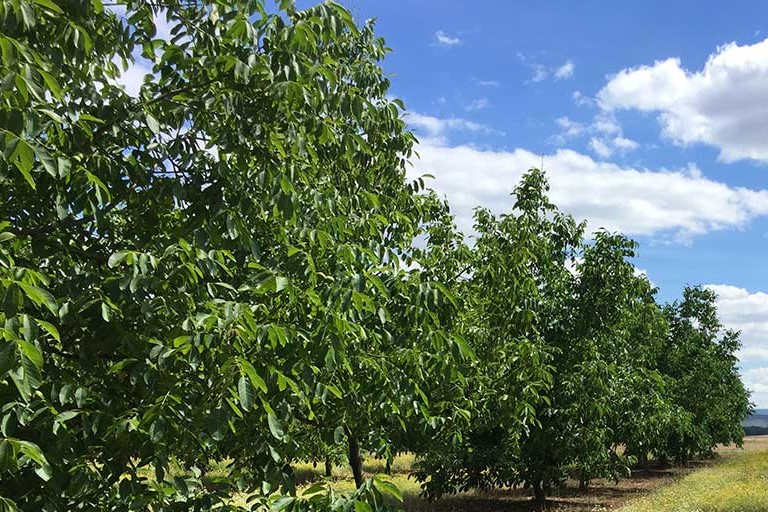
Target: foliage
[[701, 359], [231, 265], [204, 270], [573, 360]]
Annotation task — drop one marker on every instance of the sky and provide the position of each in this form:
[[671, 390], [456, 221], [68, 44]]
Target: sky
[[650, 118]]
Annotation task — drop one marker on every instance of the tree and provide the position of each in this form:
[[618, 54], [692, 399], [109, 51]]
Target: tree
[[201, 270], [516, 276], [700, 358]]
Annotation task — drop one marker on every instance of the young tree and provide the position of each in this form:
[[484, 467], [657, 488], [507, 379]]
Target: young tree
[[517, 275], [195, 271], [700, 358]]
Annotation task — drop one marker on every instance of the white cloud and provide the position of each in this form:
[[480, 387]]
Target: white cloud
[[756, 380], [132, 77], [437, 129], [606, 123], [600, 147], [624, 144], [540, 73], [489, 83], [565, 71], [605, 147], [745, 311], [605, 135], [724, 104], [570, 128], [604, 132], [582, 100], [443, 39], [478, 104], [666, 204]]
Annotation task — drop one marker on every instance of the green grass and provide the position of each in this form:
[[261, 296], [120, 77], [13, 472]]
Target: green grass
[[738, 483]]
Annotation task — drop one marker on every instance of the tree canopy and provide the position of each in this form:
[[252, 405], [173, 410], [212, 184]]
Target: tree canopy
[[233, 265]]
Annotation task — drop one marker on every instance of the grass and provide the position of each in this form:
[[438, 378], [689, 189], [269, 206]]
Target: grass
[[737, 483]]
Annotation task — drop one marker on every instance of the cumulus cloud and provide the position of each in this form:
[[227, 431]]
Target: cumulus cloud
[[747, 312], [443, 39], [565, 71], [724, 104], [679, 204], [756, 380]]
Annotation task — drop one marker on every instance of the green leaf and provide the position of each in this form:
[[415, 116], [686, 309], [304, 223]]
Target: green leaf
[[11, 300], [40, 297], [280, 283], [48, 4], [246, 393], [65, 416], [32, 451], [283, 503], [361, 506], [153, 124], [50, 328], [31, 352], [49, 163], [44, 472], [275, 427], [8, 358], [24, 161], [117, 258], [250, 371], [387, 487], [105, 312], [464, 347]]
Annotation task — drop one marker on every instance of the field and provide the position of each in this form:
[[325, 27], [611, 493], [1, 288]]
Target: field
[[736, 481]]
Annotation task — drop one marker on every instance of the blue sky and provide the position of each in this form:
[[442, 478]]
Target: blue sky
[[651, 117]]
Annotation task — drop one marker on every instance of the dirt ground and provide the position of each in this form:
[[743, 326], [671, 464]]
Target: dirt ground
[[601, 496]]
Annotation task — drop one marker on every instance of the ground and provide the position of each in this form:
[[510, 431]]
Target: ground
[[736, 481]]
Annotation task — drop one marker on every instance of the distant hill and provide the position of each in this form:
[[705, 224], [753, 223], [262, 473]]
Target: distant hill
[[756, 423]]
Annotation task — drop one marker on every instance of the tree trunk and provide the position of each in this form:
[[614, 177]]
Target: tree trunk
[[354, 457], [539, 496], [328, 466], [583, 484], [388, 466]]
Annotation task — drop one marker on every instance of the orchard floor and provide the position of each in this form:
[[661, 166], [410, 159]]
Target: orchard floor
[[736, 481]]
